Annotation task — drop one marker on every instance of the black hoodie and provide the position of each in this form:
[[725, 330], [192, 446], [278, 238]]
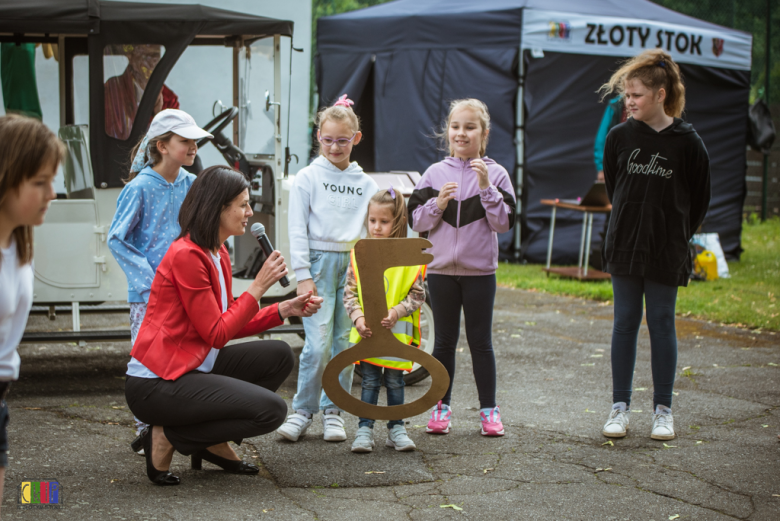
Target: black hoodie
[[659, 185]]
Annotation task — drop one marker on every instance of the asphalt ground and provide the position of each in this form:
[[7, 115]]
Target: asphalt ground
[[70, 423]]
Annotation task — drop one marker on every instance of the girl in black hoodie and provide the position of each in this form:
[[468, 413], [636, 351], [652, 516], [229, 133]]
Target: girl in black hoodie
[[657, 174]]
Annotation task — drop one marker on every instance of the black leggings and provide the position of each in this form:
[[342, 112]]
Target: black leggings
[[476, 295], [661, 299], [234, 401]]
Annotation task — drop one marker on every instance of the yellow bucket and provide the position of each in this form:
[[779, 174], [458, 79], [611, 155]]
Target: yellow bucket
[[707, 263]]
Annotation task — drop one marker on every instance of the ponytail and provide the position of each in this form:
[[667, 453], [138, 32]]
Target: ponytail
[[655, 69], [151, 155]]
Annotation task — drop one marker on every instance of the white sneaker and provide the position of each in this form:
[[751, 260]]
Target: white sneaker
[[398, 439], [663, 424], [617, 423], [333, 426], [364, 440], [295, 426], [137, 443]]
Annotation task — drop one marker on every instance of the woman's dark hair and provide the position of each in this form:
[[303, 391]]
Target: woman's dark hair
[[209, 195]]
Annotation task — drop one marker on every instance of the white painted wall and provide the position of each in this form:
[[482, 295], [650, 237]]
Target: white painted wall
[[203, 75]]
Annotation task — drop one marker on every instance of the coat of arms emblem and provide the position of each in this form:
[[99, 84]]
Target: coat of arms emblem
[[717, 46]]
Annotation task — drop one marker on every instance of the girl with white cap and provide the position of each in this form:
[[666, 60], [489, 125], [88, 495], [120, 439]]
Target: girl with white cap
[[146, 221]]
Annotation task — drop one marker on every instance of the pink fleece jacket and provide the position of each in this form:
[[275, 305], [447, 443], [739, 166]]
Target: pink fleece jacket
[[464, 235]]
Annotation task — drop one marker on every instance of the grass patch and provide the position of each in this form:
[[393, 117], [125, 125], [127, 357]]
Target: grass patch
[[747, 299]]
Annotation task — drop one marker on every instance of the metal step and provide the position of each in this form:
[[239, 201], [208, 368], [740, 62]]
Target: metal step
[[119, 335], [83, 308]]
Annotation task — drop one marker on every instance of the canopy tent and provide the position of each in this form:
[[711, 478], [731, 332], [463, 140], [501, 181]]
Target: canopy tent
[[537, 65], [90, 27]]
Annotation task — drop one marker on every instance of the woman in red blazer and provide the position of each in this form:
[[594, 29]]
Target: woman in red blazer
[[196, 393]]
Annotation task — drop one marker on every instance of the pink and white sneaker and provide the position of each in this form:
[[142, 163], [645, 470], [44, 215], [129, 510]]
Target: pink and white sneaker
[[491, 423], [440, 419]]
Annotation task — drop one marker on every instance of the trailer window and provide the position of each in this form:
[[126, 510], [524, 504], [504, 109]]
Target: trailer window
[[126, 70], [81, 89], [256, 76]]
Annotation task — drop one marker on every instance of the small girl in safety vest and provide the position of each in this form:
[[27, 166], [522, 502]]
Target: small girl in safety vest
[[405, 295]]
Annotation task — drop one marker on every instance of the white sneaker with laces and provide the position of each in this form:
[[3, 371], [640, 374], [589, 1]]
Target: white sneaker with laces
[[333, 426], [295, 426], [364, 440], [617, 423], [663, 424], [398, 439], [137, 443]]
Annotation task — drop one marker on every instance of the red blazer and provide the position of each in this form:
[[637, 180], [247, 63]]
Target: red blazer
[[184, 318]]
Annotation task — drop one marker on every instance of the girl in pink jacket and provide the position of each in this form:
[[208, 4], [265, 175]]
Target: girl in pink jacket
[[463, 202]]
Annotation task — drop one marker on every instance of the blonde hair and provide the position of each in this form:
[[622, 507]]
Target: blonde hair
[[655, 69], [385, 198], [484, 119], [26, 146], [339, 114], [152, 153]]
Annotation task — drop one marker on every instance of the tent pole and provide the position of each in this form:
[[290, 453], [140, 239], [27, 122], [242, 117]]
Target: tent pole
[[520, 155], [768, 52]]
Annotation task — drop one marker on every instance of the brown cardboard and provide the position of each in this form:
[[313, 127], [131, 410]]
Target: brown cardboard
[[373, 257]]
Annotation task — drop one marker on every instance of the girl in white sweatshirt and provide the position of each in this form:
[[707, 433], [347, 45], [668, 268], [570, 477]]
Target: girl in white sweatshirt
[[29, 156], [328, 205]]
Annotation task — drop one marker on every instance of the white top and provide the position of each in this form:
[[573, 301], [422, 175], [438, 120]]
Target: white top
[[137, 369], [16, 296], [327, 211]]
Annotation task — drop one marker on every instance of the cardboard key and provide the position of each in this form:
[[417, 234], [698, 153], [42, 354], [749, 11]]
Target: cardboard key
[[373, 257]]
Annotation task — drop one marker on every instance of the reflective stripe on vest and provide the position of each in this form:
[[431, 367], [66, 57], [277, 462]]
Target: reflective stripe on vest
[[398, 283]]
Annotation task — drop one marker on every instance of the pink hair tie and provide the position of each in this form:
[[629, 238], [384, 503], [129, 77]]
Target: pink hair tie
[[391, 191], [344, 102]]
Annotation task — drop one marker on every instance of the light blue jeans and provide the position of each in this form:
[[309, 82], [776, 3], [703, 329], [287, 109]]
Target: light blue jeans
[[327, 332]]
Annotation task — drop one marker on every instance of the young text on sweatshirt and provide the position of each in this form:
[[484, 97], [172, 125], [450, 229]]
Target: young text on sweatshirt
[[327, 211]]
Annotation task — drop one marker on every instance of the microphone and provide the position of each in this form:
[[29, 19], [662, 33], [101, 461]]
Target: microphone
[[258, 231]]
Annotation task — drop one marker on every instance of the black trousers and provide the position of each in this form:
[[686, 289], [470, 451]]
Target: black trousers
[[475, 295], [4, 386], [236, 400]]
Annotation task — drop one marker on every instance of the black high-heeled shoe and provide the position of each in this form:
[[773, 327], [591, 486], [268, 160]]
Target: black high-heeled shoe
[[228, 465], [162, 478]]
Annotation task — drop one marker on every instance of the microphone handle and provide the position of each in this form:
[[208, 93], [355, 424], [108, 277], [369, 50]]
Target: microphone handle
[[265, 245]]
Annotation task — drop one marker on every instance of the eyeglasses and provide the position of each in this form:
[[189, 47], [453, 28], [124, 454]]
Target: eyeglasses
[[328, 141]]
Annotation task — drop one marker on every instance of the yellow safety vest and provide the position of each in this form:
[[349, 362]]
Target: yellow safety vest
[[398, 283]]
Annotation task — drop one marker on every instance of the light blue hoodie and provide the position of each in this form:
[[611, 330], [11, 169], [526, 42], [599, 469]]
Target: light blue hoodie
[[145, 224]]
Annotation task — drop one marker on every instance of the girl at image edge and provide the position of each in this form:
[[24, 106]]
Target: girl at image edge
[[29, 156]]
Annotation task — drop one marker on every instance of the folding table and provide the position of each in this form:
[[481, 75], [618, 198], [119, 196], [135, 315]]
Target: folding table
[[581, 272]]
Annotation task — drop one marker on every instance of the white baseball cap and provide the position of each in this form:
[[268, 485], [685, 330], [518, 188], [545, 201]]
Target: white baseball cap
[[178, 122]]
